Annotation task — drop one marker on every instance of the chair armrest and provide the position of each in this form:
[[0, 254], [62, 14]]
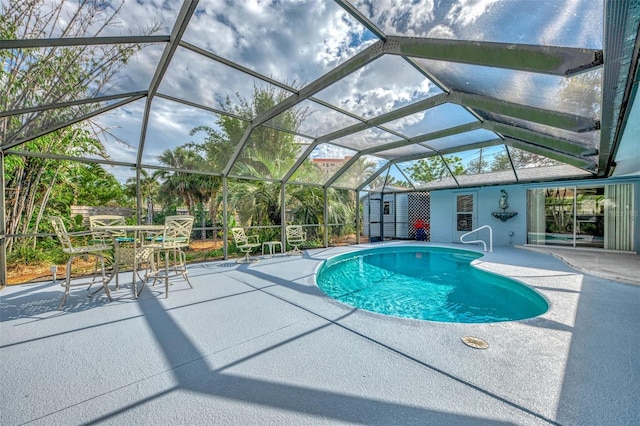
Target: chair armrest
[[84, 238], [80, 233], [256, 239]]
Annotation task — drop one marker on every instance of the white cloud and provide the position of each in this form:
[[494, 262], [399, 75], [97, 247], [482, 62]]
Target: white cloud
[[338, 35], [326, 150], [289, 41], [302, 40], [400, 16], [467, 12], [382, 86], [405, 122], [441, 31]]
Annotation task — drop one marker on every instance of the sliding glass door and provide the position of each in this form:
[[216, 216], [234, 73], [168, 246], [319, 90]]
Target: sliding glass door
[[598, 216]]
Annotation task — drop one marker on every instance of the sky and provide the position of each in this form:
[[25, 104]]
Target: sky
[[295, 42]]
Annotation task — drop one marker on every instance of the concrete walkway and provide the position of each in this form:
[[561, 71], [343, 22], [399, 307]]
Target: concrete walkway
[[622, 267], [256, 344]]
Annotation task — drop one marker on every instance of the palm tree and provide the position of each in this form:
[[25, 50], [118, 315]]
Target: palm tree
[[149, 188], [359, 171], [181, 184], [258, 202]]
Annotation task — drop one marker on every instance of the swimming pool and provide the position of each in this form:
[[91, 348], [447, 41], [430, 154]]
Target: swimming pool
[[428, 283]]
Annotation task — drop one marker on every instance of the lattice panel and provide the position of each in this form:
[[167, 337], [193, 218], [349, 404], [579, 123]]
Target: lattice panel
[[419, 210]]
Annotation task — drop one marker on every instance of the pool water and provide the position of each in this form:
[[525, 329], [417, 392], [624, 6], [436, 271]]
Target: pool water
[[428, 283]]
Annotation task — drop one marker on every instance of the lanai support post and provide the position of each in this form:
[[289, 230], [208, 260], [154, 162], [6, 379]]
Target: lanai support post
[[358, 224], [225, 230], [283, 219], [326, 219], [3, 227]]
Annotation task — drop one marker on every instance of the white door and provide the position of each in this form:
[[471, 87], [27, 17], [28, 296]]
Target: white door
[[402, 216], [374, 218], [388, 216], [466, 216]]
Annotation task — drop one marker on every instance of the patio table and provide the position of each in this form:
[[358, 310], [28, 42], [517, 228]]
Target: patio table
[[133, 251], [271, 245]]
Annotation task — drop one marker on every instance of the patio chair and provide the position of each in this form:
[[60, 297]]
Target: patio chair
[[95, 249], [295, 238], [245, 244], [100, 235], [166, 256], [123, 244]]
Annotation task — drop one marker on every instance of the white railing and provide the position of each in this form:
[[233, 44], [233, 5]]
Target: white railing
[[480, 241]]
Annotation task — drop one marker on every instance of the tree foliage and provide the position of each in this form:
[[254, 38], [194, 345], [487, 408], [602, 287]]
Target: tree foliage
[[387, 181], [34, 77], [433, 168], [520, 159], [267, 155], [358, 172], [34, 184], [480, 164], [49, 75], [149, 190]]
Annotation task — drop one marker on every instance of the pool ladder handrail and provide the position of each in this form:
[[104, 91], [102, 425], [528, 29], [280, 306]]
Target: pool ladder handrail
[[480, 241]]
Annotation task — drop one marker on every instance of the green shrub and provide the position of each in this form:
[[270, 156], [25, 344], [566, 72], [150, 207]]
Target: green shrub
[[26, 254]]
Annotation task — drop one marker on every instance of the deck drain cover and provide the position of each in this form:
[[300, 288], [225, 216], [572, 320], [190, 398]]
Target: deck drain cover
[[475, 342]]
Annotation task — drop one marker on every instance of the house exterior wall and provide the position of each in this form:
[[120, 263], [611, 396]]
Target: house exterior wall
[[443, 211], [443, 206]]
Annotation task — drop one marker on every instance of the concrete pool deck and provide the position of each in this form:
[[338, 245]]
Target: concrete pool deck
[[261, 344], [622, 267]]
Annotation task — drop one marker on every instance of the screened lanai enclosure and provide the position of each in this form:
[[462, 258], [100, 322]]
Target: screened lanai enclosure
[[267, 113]]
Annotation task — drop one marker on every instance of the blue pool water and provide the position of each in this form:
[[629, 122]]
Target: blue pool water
[[429, 283]]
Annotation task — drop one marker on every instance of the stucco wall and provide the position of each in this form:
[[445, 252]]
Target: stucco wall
[[443, 211], [443, 215]]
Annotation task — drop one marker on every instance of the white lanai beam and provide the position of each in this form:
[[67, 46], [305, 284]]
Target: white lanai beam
[[188, 8], [540, 139], [80, 41], [72, 103], [554, 60], [560, 120], [582, 163], [73, 121], [621, 35]]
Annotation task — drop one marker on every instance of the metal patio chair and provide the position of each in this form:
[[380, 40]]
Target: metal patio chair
[[97, 249], [295, 238], [167, 257], [245, 244], [100, 235], [123, 244]]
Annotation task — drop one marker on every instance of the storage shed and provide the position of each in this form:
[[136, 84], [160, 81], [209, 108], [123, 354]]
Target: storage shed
[[396, 216]]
